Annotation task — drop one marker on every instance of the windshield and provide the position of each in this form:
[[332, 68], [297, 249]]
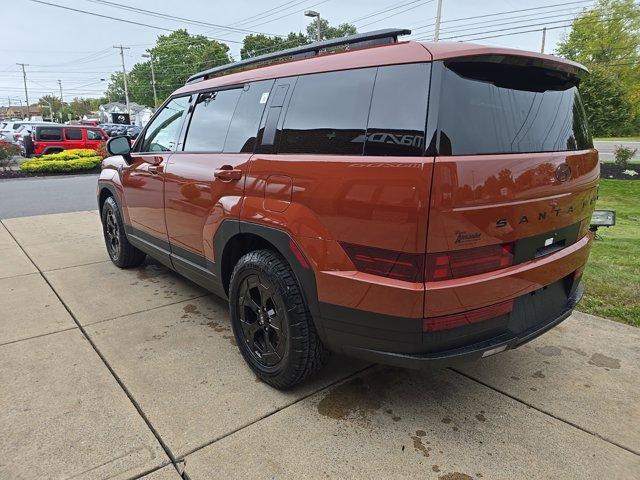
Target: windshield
[[505, 108]]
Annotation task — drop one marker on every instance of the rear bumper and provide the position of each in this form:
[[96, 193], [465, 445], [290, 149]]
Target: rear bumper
[[398, 356]]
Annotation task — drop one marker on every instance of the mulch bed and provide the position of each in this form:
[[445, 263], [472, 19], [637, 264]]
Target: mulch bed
[[20, 174], [613, 171]]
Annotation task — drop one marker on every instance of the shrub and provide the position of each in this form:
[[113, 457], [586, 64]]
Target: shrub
[[39, 165], [101, 151], [7, 152], [623, 154]]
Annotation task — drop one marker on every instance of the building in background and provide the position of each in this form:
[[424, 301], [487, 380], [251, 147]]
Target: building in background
[[140, 114], [11, 112]]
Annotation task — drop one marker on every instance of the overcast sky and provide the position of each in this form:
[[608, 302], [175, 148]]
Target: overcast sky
[[77, 48]]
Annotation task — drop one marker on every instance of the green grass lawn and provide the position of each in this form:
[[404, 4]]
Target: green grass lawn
[[612, 276]]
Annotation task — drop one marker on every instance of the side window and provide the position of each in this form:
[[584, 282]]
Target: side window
[[73, 134], [210, 120], [398, 111], [50, 134], [246, 119], [162, 132], [94, 135], [328, 113]]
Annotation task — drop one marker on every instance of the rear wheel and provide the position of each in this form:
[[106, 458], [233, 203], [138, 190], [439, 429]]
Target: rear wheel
[[271, 321], [121, 252]]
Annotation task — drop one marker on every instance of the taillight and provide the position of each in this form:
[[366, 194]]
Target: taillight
[[447, 322], [471, 261], [387, 263]]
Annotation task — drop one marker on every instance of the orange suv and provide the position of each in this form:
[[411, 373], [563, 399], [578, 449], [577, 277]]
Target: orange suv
[[405, 203]]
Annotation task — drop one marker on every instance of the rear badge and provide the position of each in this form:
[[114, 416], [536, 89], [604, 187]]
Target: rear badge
[[493, 351]]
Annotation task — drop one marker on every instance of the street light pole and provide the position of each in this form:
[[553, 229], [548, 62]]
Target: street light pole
[[436, 35], [153, 78], [312, 14], [544, 37]]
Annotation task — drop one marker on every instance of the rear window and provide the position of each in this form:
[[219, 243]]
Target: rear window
[[49, 134], [490, 107], [328, 113]]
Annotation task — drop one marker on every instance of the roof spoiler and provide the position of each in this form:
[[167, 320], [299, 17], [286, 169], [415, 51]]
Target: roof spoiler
[[377, 37]]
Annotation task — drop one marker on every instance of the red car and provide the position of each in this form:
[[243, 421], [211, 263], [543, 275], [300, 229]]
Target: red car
[[405, 203], [56, 138]]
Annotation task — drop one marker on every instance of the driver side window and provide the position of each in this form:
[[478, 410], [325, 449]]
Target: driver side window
[[162, 133]]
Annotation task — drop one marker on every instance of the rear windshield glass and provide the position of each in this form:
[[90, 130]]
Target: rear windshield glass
[[500, 108]]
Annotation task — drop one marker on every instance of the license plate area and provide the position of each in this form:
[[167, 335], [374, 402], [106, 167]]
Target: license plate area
[[538, 307]]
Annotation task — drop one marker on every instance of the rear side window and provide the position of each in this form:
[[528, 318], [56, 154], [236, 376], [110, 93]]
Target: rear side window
[[328, 113], [398, 113], [246, 119], [490, 107], [17, 126], [73, 134], [94, 135], [50, 134], [210, 120]]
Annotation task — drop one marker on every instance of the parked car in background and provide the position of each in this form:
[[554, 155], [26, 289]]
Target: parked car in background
[[133, 131], [56, 138], [11, 131]]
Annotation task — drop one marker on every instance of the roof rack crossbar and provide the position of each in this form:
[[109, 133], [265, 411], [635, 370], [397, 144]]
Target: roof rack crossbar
[[312, 48]]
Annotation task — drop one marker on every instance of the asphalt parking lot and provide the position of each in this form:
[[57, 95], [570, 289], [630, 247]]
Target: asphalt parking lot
[[135, 374]]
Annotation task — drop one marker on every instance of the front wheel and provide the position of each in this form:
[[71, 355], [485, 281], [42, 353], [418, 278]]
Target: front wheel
[[271, 321], [121, 252]]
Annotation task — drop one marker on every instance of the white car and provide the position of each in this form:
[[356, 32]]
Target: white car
[[10, 131]]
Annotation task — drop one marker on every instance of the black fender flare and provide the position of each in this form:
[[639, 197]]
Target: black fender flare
[[281, 240]]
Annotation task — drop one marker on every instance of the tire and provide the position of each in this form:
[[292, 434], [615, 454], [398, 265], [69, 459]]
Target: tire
[[121, 252], [271, 321]]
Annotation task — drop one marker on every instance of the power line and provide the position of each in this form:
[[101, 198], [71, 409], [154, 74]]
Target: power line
[[120, 19], [384, 10], [397, 13], [175, 18]]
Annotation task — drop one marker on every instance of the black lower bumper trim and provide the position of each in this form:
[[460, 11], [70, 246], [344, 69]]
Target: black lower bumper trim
[[474, 351]]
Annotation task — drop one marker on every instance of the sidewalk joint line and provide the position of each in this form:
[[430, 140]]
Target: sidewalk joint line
[[118, 380], [267, 415], [37, 336], [545, 412]]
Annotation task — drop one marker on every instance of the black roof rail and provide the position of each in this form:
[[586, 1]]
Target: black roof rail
[[388, 35]]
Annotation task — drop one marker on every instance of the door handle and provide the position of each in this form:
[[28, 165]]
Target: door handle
[[155, 169], [227, 173]]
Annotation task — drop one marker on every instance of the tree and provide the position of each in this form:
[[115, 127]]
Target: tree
[[607, 104], [254, 45], [327, 31], [176, 57], [606, 39]]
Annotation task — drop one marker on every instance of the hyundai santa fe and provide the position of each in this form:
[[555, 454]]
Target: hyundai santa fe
[[406, 203]]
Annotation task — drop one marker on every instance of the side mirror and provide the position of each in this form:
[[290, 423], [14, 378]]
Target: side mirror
[[119, 146]]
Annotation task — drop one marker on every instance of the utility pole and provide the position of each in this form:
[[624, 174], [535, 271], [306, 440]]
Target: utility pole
[[544, 37], [124, 76], [61, 97], [26, 93], [312, 14], [436, 34], [153, 78]]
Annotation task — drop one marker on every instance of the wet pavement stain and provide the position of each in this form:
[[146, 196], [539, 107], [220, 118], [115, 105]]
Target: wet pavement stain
[[446, 420], [419, 446], [513, 377], [360, 397], [395, 418], [600, 360], [435, 468], [539, 374], [455, 476], [549, 351], [217, 327], [232, 339], [481, 418], [576, 350], [189, 309]]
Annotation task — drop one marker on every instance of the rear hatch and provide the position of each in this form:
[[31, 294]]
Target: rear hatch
[[514, 183]]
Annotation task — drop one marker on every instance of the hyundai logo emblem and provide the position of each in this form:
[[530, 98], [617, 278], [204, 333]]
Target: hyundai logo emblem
[[563, 172]]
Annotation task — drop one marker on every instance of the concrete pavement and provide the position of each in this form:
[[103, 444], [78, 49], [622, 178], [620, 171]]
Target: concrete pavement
[[109, 373], [605, 148]]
